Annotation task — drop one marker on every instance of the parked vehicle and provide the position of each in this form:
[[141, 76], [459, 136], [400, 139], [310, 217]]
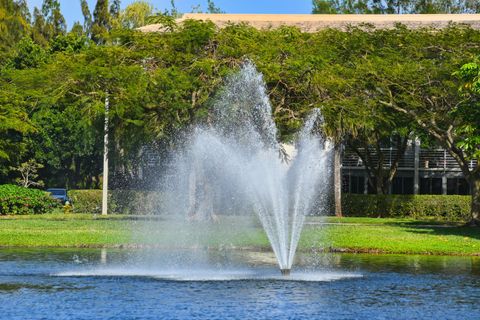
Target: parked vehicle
[[60, 194]]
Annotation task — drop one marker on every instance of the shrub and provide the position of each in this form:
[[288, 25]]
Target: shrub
[[119, 201], [86, 201], [441, 207], [20, 200], [136, 202]]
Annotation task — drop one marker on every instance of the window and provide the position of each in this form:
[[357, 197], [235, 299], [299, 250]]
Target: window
[[430, 185], [353, 184], [457, 186], [357, 184], [346, 184], [402, 185], [371, 189]]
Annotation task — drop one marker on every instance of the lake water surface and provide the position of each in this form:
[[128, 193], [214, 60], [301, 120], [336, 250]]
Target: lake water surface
[[203, 284]]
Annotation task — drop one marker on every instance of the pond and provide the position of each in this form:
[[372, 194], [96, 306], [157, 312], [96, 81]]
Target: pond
[[205, 284]]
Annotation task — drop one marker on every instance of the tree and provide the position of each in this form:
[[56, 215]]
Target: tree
[[324, 7], [28, 55], [29, 174], [115, 9], [394, 6], [350, 91], [212, 8], [38, 28], [14, 124], [74, 41], [14, 23], [77, 29], [135, 14], [453, 122], [101, 21], [115, 12], [55, 23], [87, 17], [376, 127]]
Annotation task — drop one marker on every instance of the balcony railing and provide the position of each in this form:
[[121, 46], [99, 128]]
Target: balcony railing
[[429, 159]]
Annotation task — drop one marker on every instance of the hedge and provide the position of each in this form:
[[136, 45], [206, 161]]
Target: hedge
[[441, 207], [119, 201], [20, 200], [86, 201]]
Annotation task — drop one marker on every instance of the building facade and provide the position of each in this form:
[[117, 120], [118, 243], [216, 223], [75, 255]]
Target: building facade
[[420, 171]]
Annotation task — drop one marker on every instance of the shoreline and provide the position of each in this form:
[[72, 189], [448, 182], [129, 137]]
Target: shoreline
[[261, 249], [320, 234]]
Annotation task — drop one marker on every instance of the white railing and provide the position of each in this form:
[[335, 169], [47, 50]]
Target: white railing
[[429, 159], [351, 159]]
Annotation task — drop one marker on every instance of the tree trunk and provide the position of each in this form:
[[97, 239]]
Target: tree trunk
[[77, 173], [380, 183], [379, 188], [337, 179], [475, 191]]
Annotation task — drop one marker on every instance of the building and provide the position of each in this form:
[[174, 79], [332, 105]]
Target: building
[[420, 171]]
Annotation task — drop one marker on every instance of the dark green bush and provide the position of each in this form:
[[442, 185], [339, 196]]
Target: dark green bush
[[19, 200], [136, 202], [119, 201], [86, 201], [441, 207]]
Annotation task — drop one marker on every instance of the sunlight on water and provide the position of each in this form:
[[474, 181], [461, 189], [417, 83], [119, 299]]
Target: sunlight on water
[[210, 275]]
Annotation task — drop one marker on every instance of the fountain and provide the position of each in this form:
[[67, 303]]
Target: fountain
[[235, 165]]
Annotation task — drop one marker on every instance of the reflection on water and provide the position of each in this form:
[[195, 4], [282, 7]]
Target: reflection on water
[[121, 284], [395, 263]]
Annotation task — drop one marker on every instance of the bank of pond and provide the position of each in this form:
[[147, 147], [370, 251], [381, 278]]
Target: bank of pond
[[320, 234]]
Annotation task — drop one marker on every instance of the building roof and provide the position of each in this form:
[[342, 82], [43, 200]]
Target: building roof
[[314, 22]]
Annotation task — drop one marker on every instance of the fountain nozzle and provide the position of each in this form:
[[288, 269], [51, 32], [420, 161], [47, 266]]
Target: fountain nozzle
[[285, 272]]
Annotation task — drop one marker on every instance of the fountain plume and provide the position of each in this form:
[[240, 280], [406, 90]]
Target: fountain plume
[[233, 166]]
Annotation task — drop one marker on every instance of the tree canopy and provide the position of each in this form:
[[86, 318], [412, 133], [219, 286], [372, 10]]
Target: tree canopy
[[394, 6], [372, 85]]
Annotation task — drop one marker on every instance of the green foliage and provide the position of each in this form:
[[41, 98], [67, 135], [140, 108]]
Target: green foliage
[[28, 55], [101, 21], [86, 201], [394, 6], [115, 9], [212, 8], [159, 84], [135, 14], [137, 202], [19, 200], [55, 23], [29, 174], [440, 207], [163, 19], [14, 125], [120, 201], [87, 17], [71, 42], [194, 36], [469, 110], [14, 23], [323, 7], [38, 27]]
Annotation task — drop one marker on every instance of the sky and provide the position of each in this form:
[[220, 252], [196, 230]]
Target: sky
[[71, 8]]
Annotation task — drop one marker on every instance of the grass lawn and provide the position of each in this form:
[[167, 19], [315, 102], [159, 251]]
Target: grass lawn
[[330, 234], [58, 230]]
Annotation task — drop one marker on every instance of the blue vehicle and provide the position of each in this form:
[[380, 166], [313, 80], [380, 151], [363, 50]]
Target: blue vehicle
[[59, 194]]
